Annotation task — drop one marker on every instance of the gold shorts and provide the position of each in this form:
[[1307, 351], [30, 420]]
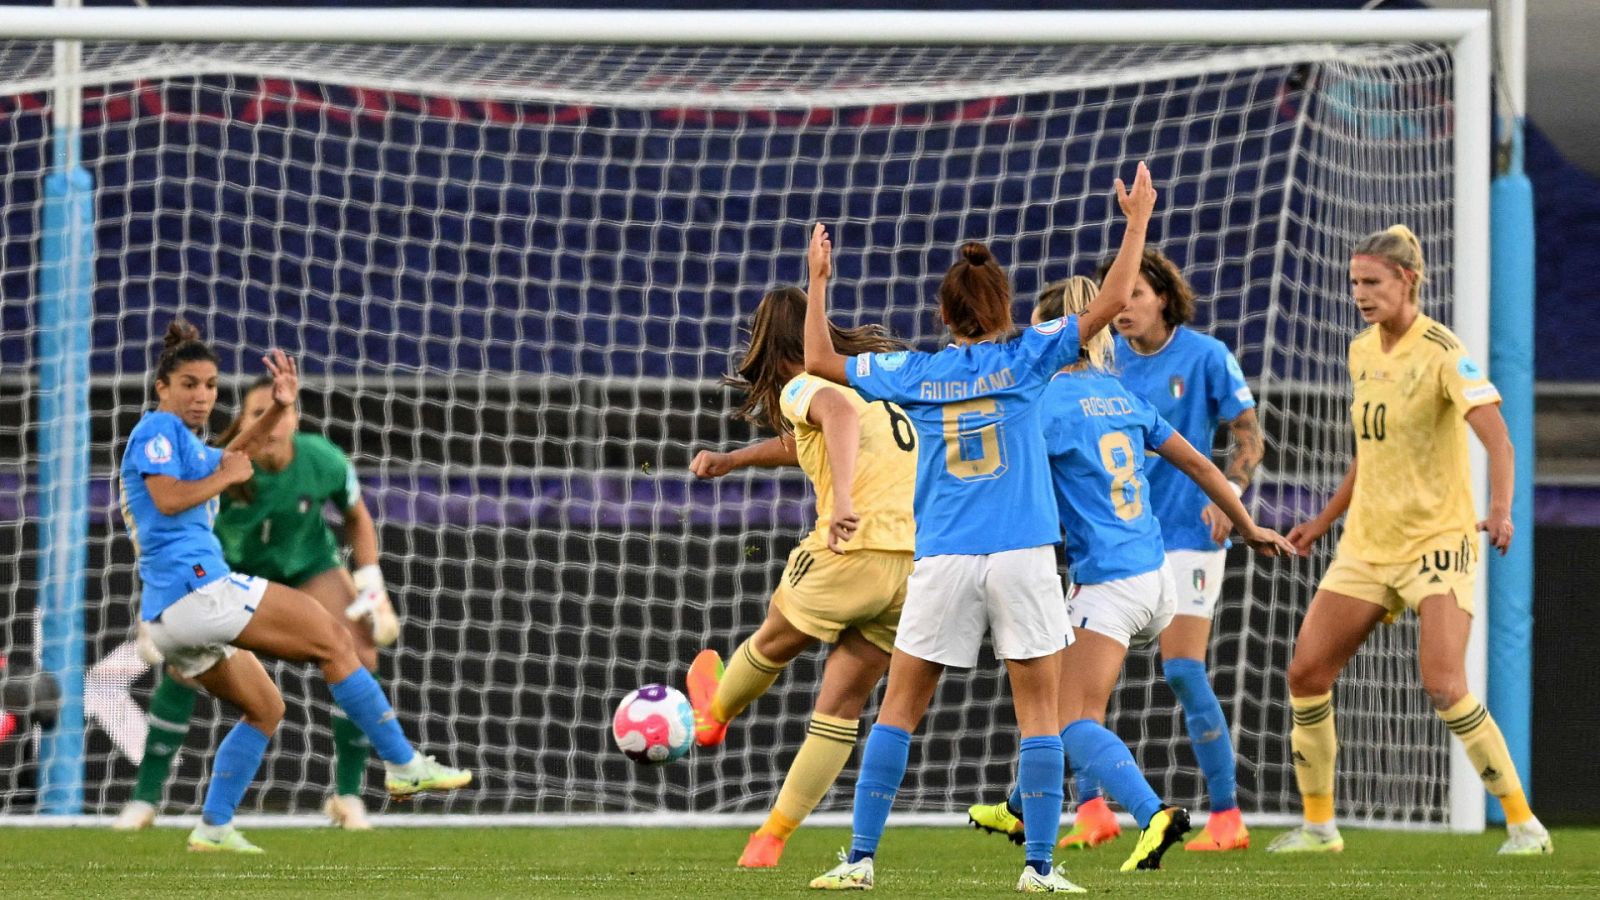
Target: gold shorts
[[1448, 567], [822, 593]]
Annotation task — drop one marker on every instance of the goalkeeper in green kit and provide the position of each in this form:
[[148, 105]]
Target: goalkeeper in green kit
[[272, 526]]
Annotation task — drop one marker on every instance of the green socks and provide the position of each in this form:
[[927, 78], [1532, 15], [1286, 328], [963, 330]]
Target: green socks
[[351, 749], [171, 707]]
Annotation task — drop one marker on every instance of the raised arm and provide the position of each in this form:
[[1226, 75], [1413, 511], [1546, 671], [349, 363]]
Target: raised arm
[[1137, 204], [285, 385], [1490, 427], [822, 360], [1205, 473], [770, 453]]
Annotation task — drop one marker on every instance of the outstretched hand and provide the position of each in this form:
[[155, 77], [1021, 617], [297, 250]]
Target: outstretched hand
[[1267, 542], [285, 377], [820, 255], [711, 464], [1139, 201], [1305, 534]]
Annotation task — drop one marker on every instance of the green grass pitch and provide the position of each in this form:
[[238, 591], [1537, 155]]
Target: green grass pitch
[[698, 863]]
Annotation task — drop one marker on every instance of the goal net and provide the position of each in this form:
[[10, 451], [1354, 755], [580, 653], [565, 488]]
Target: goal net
[[513, 275]]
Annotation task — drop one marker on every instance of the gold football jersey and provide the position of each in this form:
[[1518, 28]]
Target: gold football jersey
[[886, 467], [1413, 485]]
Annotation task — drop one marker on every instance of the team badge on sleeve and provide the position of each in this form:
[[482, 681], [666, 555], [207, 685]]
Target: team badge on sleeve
[[863, 365], [889, 362], [158, 449], [1052, 326], [1468, 369]]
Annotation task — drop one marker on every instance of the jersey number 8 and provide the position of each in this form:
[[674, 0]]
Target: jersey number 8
[[1116, 454]]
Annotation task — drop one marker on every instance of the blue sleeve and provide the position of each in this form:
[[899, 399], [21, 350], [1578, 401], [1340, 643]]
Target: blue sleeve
[[886, 376], [207, 460], [1228, 387], [1051, 346], [1157, 431], [155, 449]]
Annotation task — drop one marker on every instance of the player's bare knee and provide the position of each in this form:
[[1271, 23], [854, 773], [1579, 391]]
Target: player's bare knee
[[332, 644], [1307, 679], [265, 712], [1444, 691]]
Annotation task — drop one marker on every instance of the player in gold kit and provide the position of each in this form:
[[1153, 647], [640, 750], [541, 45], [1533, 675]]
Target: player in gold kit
[[1410, 541], [845, 582]]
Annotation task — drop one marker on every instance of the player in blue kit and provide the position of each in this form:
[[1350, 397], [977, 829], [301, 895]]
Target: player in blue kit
[[984, 557], [207, 620], [1097, 434], [1195, 383]]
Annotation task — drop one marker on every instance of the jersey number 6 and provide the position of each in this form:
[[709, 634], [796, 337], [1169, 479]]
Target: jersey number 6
[[973, 450], [905, 436]]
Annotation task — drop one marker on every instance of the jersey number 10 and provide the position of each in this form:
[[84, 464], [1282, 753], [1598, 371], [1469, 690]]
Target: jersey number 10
[[1374, 421]]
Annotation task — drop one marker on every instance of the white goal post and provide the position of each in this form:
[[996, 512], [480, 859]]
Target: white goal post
[[487, 334]]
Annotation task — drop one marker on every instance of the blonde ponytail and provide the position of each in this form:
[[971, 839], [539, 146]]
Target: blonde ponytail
[[1398, 246], [1071, 297]]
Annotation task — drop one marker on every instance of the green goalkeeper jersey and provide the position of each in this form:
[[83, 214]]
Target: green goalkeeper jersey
[[278, 533]]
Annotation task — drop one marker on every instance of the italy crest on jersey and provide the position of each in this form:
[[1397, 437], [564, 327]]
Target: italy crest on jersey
[[1175, 386]]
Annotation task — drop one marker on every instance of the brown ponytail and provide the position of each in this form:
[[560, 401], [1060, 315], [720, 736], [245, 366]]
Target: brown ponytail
[[975, 296], [181, 344]]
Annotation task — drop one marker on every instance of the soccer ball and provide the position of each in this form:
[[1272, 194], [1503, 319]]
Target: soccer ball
[[654, 725]]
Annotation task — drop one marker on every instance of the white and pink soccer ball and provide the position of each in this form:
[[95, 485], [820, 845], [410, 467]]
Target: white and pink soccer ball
[[654, 725]]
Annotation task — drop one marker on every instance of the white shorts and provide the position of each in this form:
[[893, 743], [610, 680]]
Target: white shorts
[[1198, 575], [1131, 611], [952, 600], [195, 632]]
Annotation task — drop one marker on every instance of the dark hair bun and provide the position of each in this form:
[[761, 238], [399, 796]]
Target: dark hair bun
[[178, 333], [975, 253]]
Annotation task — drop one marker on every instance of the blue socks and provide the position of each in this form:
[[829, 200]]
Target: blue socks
[[363, 701], [1088, 788], [238, 758], [1041, 768], [1100, 755], [883, 767], [1208, 729]]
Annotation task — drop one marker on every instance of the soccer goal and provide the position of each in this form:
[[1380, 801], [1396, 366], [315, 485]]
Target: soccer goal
[[514, 252]]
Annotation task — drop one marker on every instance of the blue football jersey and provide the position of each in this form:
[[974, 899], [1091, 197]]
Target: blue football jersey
[[1097, 434], [177, 553], [981, 468], [1194, 383]]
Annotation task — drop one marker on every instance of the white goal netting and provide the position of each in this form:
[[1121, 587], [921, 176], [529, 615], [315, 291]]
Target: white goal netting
[[513, 276]]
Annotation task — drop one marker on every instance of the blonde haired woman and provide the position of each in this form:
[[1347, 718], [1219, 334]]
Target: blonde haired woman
[[1410, 538]]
